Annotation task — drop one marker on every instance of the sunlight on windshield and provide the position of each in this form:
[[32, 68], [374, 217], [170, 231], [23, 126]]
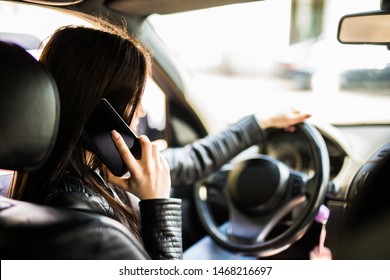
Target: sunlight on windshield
[[260, 56], [270, 55]]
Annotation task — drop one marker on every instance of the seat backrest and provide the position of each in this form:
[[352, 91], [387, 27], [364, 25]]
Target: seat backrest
[[29, 110], [29, 231], [29, 117]]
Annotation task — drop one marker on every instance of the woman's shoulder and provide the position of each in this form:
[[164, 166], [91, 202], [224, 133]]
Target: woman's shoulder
[[73, 193]]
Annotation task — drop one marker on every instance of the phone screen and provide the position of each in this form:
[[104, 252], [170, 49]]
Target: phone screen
[[97, 137]]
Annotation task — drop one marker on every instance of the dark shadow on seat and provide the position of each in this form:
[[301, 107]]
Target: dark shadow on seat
[[29, 117], [29, 231]]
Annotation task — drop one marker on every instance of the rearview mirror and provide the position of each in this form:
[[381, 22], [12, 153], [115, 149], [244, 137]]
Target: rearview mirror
[[365, 28]]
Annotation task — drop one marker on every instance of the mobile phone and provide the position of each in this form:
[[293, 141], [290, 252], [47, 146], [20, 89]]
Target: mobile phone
[[97, 137]]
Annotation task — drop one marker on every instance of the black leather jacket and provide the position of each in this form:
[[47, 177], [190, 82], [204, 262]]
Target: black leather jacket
[[205, 155], [161, 218]]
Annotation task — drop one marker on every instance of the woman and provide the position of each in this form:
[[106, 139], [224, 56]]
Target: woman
[[106, 62]]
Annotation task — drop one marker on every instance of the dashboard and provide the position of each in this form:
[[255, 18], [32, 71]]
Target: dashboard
[[293, 150], [349, 148]]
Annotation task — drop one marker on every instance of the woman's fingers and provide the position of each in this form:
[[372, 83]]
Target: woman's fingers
[[149, 176], [299, 117], [296, 117], [146, 147], [283, 120], [124, 152], [164, 162], [117, 181], [161, 144]]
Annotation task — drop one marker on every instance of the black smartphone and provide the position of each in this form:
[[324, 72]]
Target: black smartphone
[[97, 137]]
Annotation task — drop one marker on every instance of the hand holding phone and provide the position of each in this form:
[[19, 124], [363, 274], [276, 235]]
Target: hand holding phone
[[150, 176], [97, 137]]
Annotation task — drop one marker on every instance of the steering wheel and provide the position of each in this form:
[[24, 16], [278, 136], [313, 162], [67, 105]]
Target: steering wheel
[[259, 193]]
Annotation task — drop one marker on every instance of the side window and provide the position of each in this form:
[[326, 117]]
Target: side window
[[154, 123], [173, 125], [183, 131]]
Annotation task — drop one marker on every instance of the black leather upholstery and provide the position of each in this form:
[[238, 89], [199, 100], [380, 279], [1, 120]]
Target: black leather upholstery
[[29, 231], [29, 116], [29, 110]]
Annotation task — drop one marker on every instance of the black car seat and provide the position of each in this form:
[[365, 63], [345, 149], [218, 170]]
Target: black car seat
[[29, 117]]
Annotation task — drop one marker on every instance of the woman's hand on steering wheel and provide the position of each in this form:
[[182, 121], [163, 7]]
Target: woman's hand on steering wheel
[[286, 120]]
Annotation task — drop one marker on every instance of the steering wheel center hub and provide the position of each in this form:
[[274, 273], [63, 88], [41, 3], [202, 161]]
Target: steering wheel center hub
[[258, 185]]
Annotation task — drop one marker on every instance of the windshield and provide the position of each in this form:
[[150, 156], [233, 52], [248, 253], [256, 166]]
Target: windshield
[[269, 55], [261, 56]]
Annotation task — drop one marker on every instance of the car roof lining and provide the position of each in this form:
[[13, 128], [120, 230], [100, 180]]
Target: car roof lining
[[145, 7], [148, 7]]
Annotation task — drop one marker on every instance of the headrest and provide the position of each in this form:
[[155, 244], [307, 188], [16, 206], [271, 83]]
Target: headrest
[[29, 110]]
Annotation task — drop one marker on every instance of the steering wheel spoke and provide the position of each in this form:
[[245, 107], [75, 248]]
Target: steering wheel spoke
[[250, 230], [247, 230], [298, 183]]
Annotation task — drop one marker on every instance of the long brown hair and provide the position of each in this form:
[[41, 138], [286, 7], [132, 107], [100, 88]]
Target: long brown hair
[[88, 64]]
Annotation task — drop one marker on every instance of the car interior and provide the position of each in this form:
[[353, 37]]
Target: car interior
[[30, 116], [341, 165]]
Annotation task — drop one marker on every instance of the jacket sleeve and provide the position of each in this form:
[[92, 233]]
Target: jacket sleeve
[[196, 160], [162, 228]]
